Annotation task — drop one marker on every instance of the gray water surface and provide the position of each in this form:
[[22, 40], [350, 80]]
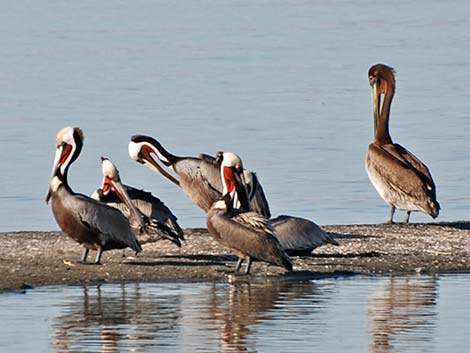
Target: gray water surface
[[284, 84], [345, 314]]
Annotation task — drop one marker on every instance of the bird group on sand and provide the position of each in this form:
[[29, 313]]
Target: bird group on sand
[[118, 216]]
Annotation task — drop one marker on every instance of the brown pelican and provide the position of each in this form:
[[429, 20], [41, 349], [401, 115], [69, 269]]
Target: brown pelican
[[87, 221], [198, 177], [298, 236], [400, 178], [248, 233], [156, 221]]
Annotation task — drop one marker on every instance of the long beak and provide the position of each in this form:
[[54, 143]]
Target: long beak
[[250, 182], [152, 164], [48, 196], [124, 196], [241, 191], [375, 105], [55, 167]]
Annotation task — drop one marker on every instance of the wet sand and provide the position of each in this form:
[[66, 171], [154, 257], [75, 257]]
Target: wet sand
[[29, 259]]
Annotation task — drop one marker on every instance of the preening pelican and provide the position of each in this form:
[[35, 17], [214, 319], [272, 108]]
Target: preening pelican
[[87, 221], [199, 177], [248, 233], [154, 221], [400, 178]]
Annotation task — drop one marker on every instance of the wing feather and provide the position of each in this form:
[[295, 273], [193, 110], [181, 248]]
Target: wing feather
[[238, 233], [155, 210], [400, 175], [300, 234], [200, 180], [110, 223], [411, 159]]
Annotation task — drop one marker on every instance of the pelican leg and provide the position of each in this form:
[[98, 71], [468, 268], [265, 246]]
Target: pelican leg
[[392, 212], [98, 257], [239, 264], [407, 219], [248, 265], [84, 255]]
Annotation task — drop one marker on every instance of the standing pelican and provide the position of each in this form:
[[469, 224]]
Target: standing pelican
[[401, 179], [298, 236], [198, 177], [87, 221], [156, 221], [248, 233]]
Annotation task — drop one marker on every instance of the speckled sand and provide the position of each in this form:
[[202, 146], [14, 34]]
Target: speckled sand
[[42, 258]]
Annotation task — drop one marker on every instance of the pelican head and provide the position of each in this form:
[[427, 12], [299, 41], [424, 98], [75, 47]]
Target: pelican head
[[381, 80], [110, 176], [69, 142], [231, 170], [383, 77], [142, 149], [112, 180]]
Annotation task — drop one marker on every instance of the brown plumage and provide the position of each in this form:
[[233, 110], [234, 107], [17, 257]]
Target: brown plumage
[[401, 179], [87, 221], [248, 233], [300, 236]]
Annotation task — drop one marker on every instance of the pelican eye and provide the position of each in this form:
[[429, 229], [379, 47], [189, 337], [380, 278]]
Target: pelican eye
[[140, 158]]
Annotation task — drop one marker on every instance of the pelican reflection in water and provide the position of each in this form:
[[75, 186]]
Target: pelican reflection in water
[[403, 313], [113, 318], [238, 309]]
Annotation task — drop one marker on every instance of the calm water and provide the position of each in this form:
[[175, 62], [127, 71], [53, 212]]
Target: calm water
[[284, 84], [356, 314]]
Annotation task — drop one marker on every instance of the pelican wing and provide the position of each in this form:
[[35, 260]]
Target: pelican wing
[[154, 209], [254, 221], [209, 158], [299, 234], [398, 173], [107, 221], [245, 235], [155, 229], [402, 153]]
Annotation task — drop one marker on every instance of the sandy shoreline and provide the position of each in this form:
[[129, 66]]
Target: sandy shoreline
[[42, 258]]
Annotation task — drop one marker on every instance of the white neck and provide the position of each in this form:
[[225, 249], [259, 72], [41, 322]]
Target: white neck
[[220, 205]]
